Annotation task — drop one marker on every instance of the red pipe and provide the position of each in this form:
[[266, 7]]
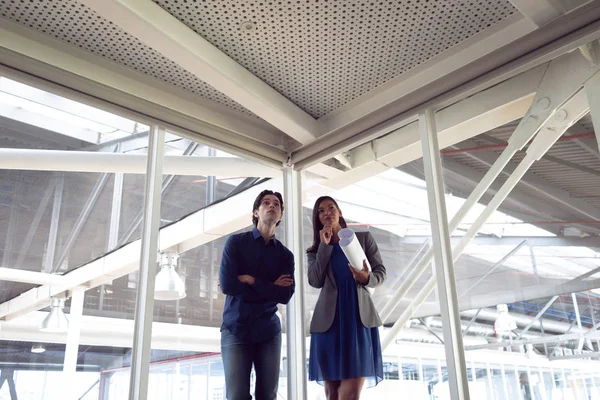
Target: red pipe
[[492, 223], [502, 146]]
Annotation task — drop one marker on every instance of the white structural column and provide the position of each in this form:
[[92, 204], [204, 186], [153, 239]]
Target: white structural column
[[115, 220], [72, 345], [54, 223], [144, 303], [592, 89], [115, 212], [444, 265], [296, 338], [577, 318], [75, 314]]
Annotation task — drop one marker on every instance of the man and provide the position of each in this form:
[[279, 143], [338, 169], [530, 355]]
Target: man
[[256, 274]]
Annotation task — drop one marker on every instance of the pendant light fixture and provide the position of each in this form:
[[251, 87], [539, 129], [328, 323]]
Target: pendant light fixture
[[168, 285], [56, 321]]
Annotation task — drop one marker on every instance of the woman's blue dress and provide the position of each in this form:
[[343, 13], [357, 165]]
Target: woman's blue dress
[[348, 349]]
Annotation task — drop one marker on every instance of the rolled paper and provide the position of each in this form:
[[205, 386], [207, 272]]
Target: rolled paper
[[352, 250]]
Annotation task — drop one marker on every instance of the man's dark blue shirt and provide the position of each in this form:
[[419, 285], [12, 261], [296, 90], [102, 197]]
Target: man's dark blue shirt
[[249, 311]]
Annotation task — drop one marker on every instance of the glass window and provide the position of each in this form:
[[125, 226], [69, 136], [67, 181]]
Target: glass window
[[431, 377], [525, 385], [498, 382], [512, 383], [479, 387], [569, 387], [199, 381], [410, 369], [538, 390], [59, 213], [548, 383], [216, 380], [160, 382], [591, 390], [184, 384]]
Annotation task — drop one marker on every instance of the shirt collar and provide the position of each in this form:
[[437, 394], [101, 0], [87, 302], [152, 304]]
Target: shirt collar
[[256, 234]]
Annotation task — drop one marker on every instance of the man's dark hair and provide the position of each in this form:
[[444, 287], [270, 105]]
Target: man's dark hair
[[259, 200]]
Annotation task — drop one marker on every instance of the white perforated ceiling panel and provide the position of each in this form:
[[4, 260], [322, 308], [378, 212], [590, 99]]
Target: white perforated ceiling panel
[[74, 23], [323, 54], [319, 54]]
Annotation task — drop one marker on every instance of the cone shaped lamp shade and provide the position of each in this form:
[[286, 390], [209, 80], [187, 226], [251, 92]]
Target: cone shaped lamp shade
[[56, 321], [38, 348], [169, 285]]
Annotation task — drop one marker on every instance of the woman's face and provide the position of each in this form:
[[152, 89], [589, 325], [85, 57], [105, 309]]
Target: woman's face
[[329, 214]]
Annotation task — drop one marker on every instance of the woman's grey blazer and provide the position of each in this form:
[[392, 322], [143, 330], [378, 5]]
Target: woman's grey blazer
[[320, 276]]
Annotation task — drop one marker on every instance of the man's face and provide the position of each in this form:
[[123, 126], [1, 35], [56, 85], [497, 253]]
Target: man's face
[[269, 210]]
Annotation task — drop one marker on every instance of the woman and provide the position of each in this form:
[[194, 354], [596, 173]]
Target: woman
[[345, 351]]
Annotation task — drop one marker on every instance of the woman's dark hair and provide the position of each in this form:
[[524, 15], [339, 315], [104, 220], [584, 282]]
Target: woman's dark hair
[[317, 225], [259, 200]]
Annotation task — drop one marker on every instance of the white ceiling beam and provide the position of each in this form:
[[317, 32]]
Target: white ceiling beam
[[540, 12], [32, 277], [89, 161], [25, 45], [324, 170], [158, 29], [451, 60], [491, 108]]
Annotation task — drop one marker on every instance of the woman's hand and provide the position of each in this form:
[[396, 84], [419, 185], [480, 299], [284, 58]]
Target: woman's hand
[[326, 234], [362, 275]]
